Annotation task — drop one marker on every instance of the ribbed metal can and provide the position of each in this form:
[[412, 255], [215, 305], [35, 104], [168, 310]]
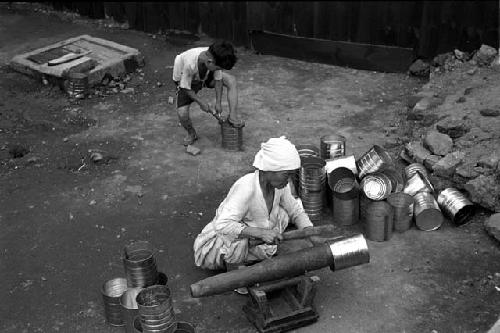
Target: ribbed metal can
[[402, 205], [427, 214], [304, 150], [418, 183], [349, 252], [379, 221], [77, 85], [232, 136], [376, 186], [156, 309], [373, 160], [112, 290], [312, 186], [455, 205], [345, 196], [140, 264], [411, 169], [332, 146], [129, 308]]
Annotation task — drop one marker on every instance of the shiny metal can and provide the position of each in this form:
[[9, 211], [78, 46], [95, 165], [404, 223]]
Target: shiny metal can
[[455, 205], [140, 264], [156, 309], [418, 183], [332, 146], [411, 169], [376, 186], [373, 160], [129, 308], [402, 205], [428, 216], [379, 221], [112, 290]]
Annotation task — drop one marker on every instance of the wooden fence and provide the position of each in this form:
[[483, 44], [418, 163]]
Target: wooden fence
[[429, 27]]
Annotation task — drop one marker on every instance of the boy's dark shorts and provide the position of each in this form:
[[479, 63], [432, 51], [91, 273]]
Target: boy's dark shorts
[[183, 98]]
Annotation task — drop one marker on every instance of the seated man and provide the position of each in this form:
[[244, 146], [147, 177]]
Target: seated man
[[258, 207]]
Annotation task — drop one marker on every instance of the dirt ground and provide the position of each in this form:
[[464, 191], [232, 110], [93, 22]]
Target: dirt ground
[[65, 220]]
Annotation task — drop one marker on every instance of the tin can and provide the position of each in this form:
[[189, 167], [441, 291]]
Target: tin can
[[232, 136], [402, 205], [418, 183], [379, 221], [376, 186], [428, 216], [332, 146], [304, 150], [77, 85], [411, 169], [112, 290], [140, 264], [373, 160], [345, 196], [455, 205], [156, 309], [129, 308]]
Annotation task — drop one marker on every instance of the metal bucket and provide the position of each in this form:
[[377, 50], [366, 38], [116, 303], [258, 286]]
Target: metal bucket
[[129, 308], [411, 169], [332, 146], [379, 221], [428, 216], [345, 196], [140, 265], [77, 85], [232, 137], [112, 291], [402, 205], [156, 310], [376, 186], [373, 160], [418, 183], [455, 205]]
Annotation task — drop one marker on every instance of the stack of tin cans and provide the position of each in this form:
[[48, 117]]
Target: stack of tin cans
[[142, 298]]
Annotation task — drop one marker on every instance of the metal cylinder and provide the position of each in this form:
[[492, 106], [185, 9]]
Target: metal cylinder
[[418, 183], [78, 85], [427, 214], [455, 205], [364, 202], [112, 291], [376, 186], [232, 137], [411, 169], [140, 265], [129, 308], [304, 150], [156, 310], [402, 206], [344, 161], [184, 327], [379, 221], [312, 186], [332, 146], [345, 196], [373, 160]]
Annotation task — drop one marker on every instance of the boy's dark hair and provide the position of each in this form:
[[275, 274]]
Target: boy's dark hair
[[224, 54]]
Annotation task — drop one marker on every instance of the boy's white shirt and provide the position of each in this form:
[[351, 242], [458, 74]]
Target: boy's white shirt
[[186, 67]]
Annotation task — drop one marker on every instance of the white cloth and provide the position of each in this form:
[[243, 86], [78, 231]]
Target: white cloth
[[277, 154], [186, 68], [245, 206]]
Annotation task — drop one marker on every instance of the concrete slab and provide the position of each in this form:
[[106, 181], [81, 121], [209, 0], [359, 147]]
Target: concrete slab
[[101, 56]]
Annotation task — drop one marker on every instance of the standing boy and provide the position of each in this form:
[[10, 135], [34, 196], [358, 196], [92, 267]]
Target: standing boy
[[202, 67]]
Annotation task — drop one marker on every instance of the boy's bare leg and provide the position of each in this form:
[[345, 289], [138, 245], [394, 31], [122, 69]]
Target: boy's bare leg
[[185, 120], [229, 82]]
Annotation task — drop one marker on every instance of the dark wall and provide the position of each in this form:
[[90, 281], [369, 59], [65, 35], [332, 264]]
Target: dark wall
[[429, 27]]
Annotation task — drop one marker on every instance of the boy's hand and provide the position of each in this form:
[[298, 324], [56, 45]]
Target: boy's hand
[[270, 236]]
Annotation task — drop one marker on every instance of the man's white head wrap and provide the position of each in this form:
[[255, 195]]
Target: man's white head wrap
[[277, 154]]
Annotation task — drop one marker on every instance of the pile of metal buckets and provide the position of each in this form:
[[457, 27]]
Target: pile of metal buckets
[[371, 190], [141, 302]]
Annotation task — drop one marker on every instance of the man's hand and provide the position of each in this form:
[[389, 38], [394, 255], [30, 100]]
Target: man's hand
[[270, 236]]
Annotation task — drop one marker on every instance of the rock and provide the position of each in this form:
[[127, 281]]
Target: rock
[[431, 160], [460, 55], [440, 184], [489, 161], [405, 157], [467, 91], [438, 143], [422, 104], [467, 171], [492, 226], [412, 100], [441, 59], [391, 143], [446, 166], [453, 127], [485, 55], [462, 99], [420, 68], [193, 150], [484, 191], [490, 112], [417, 151]]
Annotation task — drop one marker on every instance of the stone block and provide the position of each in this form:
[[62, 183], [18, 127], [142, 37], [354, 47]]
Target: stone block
[[485, 192], [438, 143], [492, 226], [453, 127], [417, 151], [446, 166], [431, 160]]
